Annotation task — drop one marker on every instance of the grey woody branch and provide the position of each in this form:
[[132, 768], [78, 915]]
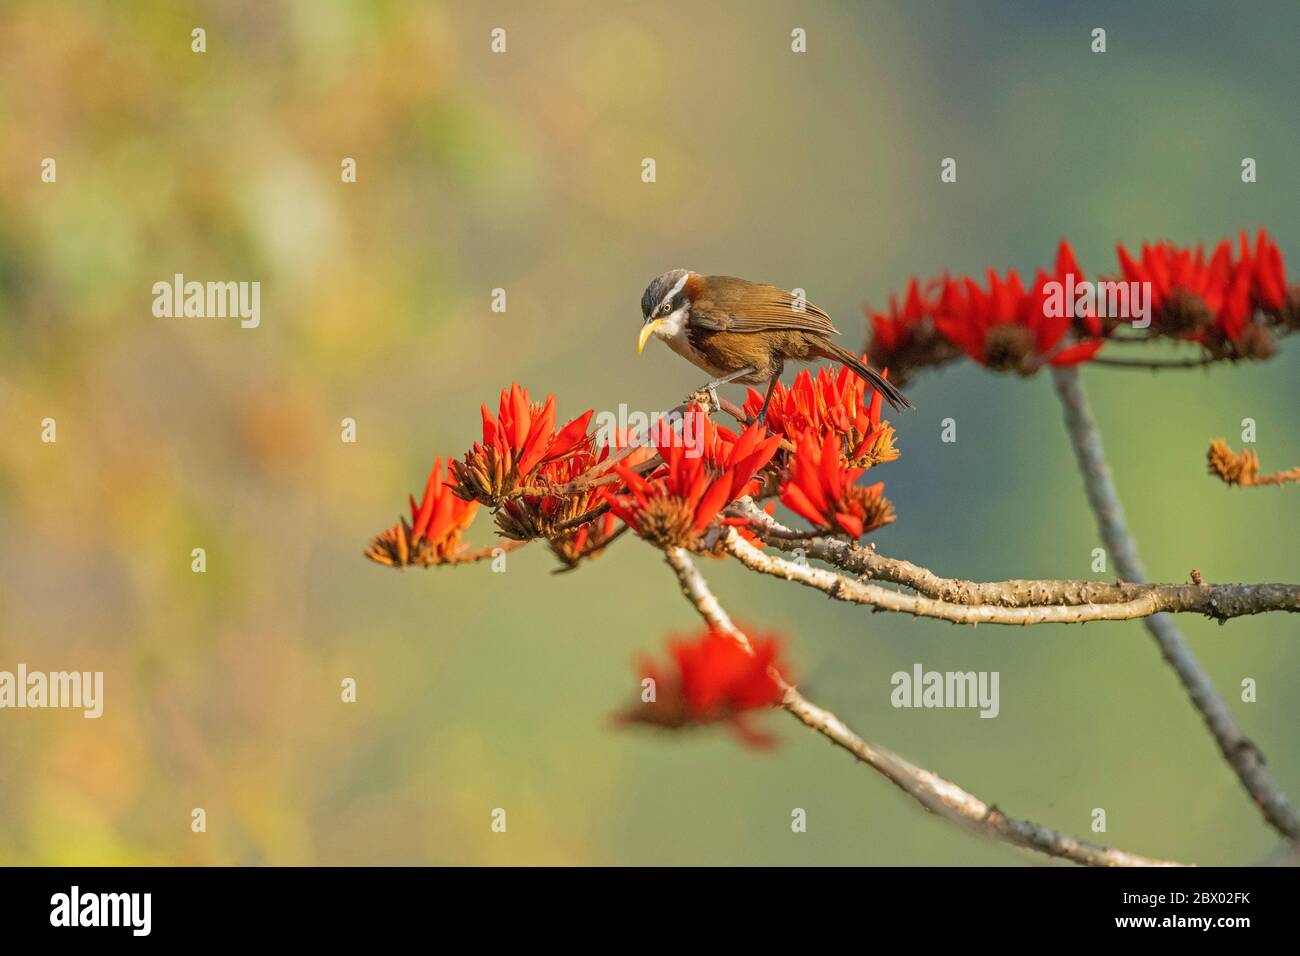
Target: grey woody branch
[[844, 588], [933, 792], [996, 602], [1238, 750]]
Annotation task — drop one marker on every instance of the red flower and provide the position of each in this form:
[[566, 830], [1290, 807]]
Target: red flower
[[1213, 301], [890, 331], [906, 337], [557, 512], [1187, 291], [969, 317], [712, 678], [1050, 329], [433, 534], [521, 438], [1268, 283], [821, 489], [832, 402], [680, 499], [527, 516], [1009, 328]]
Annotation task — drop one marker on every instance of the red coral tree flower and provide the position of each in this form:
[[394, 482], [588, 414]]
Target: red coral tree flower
[[904, 337], [577, 525], [1051, 314], [521, 438], [1268, 281], [573, 516], [821, 488], [711, 679], [1213, 301], [989, 325], [1258, 283], [832, 402], [1010, 329], [547, 514], [676, 504], [890, 331], [433, 535], [1188, 292]]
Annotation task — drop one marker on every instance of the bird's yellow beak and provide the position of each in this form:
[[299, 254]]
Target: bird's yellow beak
[[647, 330]]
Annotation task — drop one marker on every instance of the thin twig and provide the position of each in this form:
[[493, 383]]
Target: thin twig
[[1238, 750], [583, 518], [595, 477], [933, 792], [402, 555], [1153, 365], [1243, 469]]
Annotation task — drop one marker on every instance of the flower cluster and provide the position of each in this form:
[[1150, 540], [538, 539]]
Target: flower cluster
[[822, 489], [1212, 300], [832, 432], [432, 536], [559, 486], [831, 403], [1229, 304], [711, 678], [551, 510], [515, 444], [676, 503], [1011, 328]]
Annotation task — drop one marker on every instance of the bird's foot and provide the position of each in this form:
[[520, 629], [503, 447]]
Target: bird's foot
[[706, 395], [712, 387]]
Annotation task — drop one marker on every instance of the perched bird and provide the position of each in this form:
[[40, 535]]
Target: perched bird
[[741, 331]]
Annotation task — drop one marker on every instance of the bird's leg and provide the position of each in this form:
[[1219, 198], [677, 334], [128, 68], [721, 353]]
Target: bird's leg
[[712, 387], [771, 387]]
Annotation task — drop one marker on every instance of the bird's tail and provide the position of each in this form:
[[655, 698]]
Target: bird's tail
[[868, 374]]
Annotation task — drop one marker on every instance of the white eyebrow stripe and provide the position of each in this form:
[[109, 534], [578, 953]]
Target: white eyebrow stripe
[[677, 288]]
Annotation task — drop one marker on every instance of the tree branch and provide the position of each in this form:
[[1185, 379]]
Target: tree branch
[[1154, 600], [1238, 750], [933, 792], [1124, 601]]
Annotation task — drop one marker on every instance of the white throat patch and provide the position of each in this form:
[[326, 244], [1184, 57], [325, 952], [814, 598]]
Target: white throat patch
[[672, 325]]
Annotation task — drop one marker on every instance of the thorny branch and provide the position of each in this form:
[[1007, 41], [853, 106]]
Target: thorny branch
[[933, 792]]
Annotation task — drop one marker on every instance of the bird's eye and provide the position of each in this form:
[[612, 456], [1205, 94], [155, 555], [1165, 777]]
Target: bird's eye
[[666, 308]]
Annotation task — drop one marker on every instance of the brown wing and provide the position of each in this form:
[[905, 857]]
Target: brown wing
[[734, 305]]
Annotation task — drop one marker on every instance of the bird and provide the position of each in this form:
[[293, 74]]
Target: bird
[[742, 331]]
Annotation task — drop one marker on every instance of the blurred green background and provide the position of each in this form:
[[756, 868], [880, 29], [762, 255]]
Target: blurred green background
[[522, 171]]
